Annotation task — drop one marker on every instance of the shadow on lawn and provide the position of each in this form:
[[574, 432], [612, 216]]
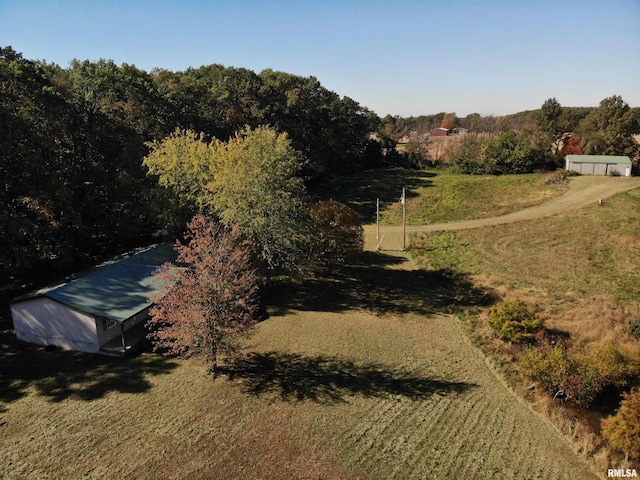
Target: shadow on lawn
[[329, 380], [58, 375], [361, 191], [370, 284]]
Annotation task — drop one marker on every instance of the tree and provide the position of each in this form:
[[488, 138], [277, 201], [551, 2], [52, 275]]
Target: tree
[[623, 429], [571, 146], [449, 121], [251, 182], [512, 320], [338, 232], [549, 121], [183, 163], [257, 189], [609, 129], [211, 300]]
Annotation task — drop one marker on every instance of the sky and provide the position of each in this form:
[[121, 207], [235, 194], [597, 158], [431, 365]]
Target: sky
[[406, 58]]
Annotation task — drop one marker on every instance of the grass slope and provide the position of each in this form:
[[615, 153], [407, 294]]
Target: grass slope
[[438, 196], [360, 376], [582, 268]]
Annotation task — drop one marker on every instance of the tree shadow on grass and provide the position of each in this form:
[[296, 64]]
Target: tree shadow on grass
[[372, 285], [361, 191], [326, 379], [58, 375]]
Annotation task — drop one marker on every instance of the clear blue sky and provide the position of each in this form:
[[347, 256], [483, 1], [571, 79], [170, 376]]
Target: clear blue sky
[[394, 57]]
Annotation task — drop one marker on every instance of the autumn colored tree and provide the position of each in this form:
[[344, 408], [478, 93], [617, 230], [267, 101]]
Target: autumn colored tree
[[623, 429], [571, 145], [211, 300], [338, 232], [449, 121], [183, 163]]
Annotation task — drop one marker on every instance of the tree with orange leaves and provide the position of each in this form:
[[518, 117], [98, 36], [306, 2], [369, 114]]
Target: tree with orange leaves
[[211, 300], [623, 429]]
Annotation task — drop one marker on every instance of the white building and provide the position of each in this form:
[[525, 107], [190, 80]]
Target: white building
[[598, 165], [101, 310]]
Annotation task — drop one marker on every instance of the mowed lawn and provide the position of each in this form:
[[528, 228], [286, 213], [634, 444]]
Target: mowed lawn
[[359, 376]]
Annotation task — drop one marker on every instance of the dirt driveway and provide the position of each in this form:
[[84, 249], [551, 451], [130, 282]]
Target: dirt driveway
[[583, 191]]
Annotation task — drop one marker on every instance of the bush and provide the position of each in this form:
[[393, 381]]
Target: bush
[[548, 365], [581, 378], [622, 430], [512, 320], [633, 326]]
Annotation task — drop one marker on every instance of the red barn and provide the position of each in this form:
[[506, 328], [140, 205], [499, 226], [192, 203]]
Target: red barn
[[440, 132]]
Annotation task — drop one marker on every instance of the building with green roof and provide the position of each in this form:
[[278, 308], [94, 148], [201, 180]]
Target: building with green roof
[[101, 310], [599, 164]]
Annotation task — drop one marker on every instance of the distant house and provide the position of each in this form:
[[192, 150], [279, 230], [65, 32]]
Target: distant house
[[598, 164], [100, 311], [440, 132], [459, 131]]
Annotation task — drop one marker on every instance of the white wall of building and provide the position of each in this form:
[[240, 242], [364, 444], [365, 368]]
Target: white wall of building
[[46, 322]]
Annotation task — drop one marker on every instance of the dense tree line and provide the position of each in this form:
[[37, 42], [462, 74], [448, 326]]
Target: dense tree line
[[73, 141]]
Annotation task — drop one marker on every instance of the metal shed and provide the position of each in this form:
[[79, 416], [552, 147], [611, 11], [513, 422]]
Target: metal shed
[[101, 310], [599, 164]]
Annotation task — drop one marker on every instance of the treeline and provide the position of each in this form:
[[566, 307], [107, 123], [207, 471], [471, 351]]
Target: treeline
[[568, 120], [73, 141], [522, 142]]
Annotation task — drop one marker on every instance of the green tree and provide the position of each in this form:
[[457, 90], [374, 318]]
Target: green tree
[[514, 321], [549, 121], [250, 182], [609, 129], [38, 218], [210, 301], [257, 187]]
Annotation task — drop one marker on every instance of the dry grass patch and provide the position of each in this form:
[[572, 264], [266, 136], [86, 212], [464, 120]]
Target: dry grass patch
[[357, 389]]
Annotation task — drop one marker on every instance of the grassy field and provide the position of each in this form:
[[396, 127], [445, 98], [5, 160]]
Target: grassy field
[[582, 268], [364, 375], [438, 196], [360, 376]]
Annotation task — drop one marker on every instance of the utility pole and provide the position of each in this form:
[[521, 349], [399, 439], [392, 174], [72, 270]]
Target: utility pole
[[378, 223], [404, 219]]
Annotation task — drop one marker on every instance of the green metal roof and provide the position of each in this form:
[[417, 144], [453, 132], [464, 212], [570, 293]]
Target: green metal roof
[[618, 159], [117, 289]]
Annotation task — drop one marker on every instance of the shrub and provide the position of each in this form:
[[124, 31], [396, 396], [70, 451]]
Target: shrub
[[548, 365], [579, 378], [512, 320], [622, 430], [633, 326]]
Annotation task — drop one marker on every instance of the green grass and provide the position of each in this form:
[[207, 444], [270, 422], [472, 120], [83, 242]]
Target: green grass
[[438, 196], [593, 252], [453, 197]]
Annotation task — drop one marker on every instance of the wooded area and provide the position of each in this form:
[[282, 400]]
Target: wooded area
[[74, 139]]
